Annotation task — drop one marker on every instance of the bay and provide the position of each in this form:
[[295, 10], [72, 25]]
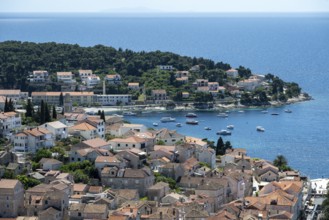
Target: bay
[[295, 48]]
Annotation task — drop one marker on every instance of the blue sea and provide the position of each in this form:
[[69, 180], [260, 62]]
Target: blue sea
[[294, 47]]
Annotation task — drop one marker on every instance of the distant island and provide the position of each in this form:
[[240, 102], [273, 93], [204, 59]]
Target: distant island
[[160, 78]]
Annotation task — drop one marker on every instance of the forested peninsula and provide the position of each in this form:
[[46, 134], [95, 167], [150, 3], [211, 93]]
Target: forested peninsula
[[185, 79]]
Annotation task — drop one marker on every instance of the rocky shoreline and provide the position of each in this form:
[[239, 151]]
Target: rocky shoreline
[[219, 107]]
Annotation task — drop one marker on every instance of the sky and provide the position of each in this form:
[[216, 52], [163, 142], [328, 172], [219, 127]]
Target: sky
[[166, 6]]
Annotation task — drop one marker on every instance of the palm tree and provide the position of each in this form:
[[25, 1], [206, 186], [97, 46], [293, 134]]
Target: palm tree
[[280, 161]]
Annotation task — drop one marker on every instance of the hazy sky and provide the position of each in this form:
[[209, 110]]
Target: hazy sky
[[164, 6]]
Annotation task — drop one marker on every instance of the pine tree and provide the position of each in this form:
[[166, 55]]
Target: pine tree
[[5, 109], [10, 106], [220, 147], [29, 109], [99, 112], [42, 112], [54, 113], [47, 113], [61, 99], [103, 115]]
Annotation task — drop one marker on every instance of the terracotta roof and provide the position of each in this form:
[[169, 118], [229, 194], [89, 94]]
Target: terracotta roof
[[128, 194], [85, 71], [80, 187], [135, 173], [159, 91], [83, 127], [8, 183], [107, 159], [10, 91], [64, 73], [95, 208], [77, 207], [82, 93], [37, 132], [133, 84], [96, 143], [95, 189], [132, 139]]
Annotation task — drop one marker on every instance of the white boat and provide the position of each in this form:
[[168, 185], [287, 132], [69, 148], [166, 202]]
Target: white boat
[[178, 125], [260, 128], [129, 113], [155, 124], [264, 111], [207, 128], [287, 111], [224, 132], [191, 115], [167, 119], [241, 111], [222, 115], [192, 122], [230, 127]]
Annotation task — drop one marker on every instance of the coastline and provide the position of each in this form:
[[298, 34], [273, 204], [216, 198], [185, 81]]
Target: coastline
[[218, 107]]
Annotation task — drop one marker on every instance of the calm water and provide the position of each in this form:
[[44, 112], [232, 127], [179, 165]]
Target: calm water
[[294, 48]]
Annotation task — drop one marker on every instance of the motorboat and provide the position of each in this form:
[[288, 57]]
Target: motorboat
[[224, 132], [207, 128], [155, 124], [191, 115], [287, 111], [260, 128], [167, 119], [275, 114], [222, 115], [264, 111], [178, 125], [129, 113], [241, 111], [230, 127], [192, 122]]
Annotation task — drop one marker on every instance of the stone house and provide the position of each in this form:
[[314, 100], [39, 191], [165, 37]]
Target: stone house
[[172, 170], [50, 164], [50, 214], [139, 179], [135, 158], [159, 96], [41, 197], [158, 191], [126, 143], [169, 137], [109, 161], [11, 198]]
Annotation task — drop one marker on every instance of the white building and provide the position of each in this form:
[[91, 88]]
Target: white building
[[39, 76], [133, 85], [126, 143], [58, 129], [232, 73], [166, 67], [113, 99], [113, 79], [14, 94], [31, 140], [249, 84], [65, 77], [84, 74], [92, 81], [9, 121], [131, 127]]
